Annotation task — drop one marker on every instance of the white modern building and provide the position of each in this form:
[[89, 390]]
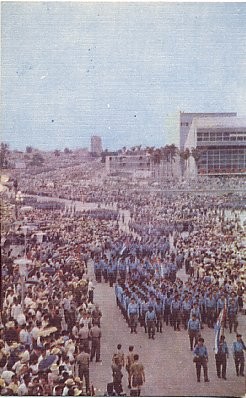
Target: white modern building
[[186, 121], [220, 146]]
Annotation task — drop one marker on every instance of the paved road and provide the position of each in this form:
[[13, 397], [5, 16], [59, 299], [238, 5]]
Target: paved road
[[167, 359]]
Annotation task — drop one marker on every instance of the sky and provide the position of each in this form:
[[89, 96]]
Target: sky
[[122, 71]]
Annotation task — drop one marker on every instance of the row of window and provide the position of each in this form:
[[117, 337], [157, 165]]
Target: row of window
[[227, 170], [126, 158], [224, 151], [223, 161], [221, 136], [209, 158]]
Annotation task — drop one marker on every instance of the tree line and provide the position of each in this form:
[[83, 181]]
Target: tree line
[[168, 154]]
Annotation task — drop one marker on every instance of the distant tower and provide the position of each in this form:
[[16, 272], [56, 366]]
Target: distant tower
[[96, 144]]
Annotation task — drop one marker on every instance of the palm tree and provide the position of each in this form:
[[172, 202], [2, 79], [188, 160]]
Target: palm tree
[[138, 148], [132, 150], [165, 154], [196, 154], [157, 156], [185, 155], [37, 160], [172, 153], [57, 152], [149, 151], [29, 149]]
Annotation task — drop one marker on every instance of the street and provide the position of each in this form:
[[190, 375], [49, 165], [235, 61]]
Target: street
[[169, 369]]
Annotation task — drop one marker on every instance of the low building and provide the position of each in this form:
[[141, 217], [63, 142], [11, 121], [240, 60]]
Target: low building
[[131, 165], [20, 165], [218, 145]]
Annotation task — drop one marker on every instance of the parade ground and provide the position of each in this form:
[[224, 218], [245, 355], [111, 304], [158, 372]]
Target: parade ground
[[167, 359], [169, 369]]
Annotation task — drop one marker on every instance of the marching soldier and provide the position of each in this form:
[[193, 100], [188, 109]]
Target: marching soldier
[[186, 308], [159, 315], [133, 314], [143, 309], [201, 359], [114, 267], [150, 320], [238, 354], [175, 311], [122, 270], [98, 271], [193, 330], [210, 306], [196, 311], [221, 357], [167, 309], [111, 274], [232, 315], [105, 270]]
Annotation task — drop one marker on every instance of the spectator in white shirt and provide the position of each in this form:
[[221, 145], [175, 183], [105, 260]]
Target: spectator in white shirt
[[7, 374], [35, 333], [23, 336], [16, 309], [10, 298], [23, 388], [21, 319]]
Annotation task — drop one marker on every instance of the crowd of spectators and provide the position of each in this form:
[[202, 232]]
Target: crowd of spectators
[[47, 322]]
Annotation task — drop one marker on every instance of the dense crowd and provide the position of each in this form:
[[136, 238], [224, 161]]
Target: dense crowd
[[55, 318], [50, 325]]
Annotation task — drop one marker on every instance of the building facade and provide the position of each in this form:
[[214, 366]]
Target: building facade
[[131, 165], [186, 121], [143, 166], [96, 144], [218, 145]]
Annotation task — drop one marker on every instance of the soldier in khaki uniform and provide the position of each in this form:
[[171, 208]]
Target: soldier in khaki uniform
[[129, 362], [83, 361], [84, 337], [137, 376], [119, 355], [96, 315], [95, 334]]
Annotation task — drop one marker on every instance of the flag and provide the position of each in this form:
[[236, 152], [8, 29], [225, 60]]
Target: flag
[[219, 328], [123, 249]]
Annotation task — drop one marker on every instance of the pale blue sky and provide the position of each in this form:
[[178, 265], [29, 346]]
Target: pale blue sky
[[119, 70]]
